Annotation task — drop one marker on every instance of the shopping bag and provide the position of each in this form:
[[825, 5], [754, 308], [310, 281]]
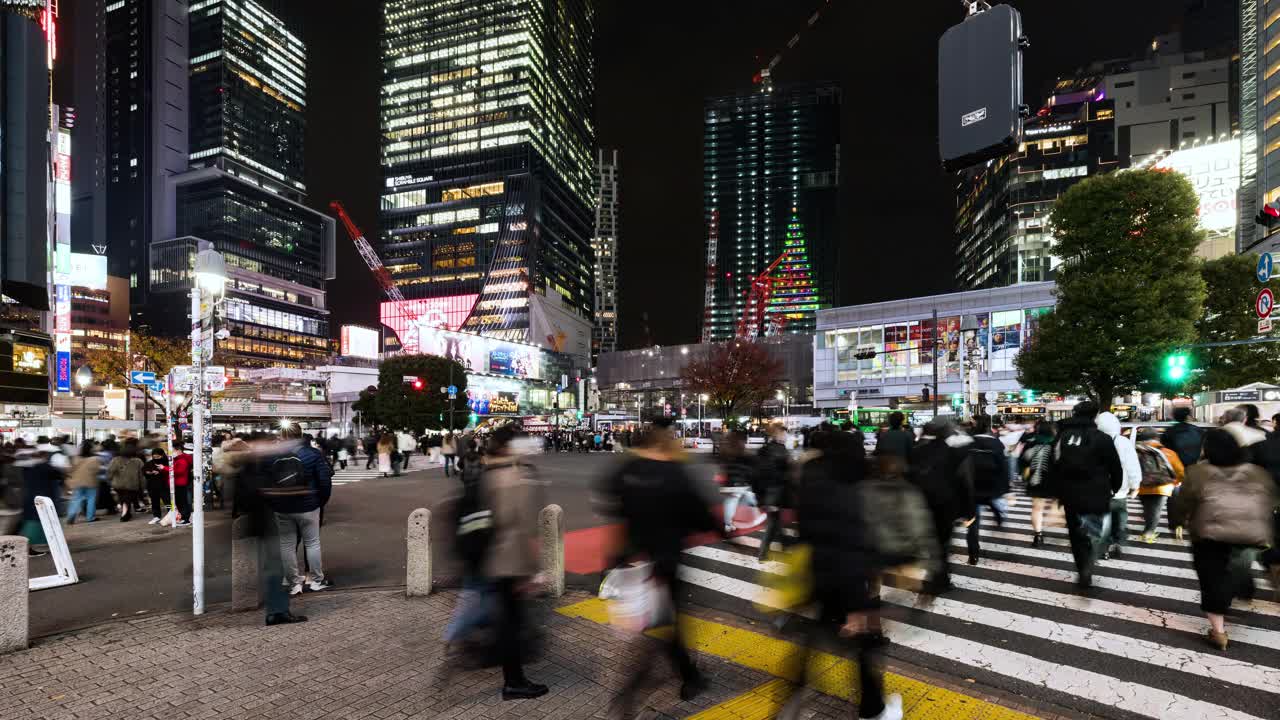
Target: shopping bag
[[637, 601], [168, 519], [792, 587]]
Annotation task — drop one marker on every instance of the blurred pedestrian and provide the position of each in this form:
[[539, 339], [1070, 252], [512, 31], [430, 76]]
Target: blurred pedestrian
[[658, 501], [304, 482], [83, 483], [990, 481], [255, 489], [371, 451], [386, 448], [846, 567], [449, 449], [1113, 541], [897, 440], [1184, 438], [1228, 505], [156, 473], [1086, 473], [942, 469], [511, 562], [738, 470], [773, 482], [1036, 459], [125, 475], [1162, 471], [182, 464], [406, 445], [40, 478]]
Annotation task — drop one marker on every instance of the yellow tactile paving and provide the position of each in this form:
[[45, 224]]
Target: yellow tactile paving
[[828, 674]]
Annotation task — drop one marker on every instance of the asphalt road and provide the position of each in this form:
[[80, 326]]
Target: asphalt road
[[363, 544]]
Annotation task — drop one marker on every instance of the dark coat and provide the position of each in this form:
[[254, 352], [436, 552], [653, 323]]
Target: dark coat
[[895, 443], [832, 521], [1088, 490], [1186, 440], [319, 483], [990, 468], [943, 472], [661, 506]]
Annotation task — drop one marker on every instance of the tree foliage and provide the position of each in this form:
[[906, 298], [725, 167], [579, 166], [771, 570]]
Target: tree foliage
[[366, 406], [1129, 287], [146, 352], [1229, 315], [397, 405], [737, 377]]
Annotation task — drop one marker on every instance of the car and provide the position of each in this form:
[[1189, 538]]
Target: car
[[1130, 429]]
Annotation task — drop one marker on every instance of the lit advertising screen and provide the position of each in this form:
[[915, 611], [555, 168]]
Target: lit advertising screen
[[404, 317], [478, 354], [493, 396], [1214, 171], [359, 342], [88, 271]]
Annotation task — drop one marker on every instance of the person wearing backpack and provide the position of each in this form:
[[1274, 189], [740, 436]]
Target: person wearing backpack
[[255, 492], [942, 469], [1085, 474], [302, 481], [834, 516], [1227, 504], [990, 480], [510, 563], [1037, 455], [472, 538], [1118, 523], [1162, 471]]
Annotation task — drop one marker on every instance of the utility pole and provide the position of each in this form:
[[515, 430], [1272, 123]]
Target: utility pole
[[935, 363]]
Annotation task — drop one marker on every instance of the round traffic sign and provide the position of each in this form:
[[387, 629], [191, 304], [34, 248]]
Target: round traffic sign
[[1265, 303], [1265, 267]]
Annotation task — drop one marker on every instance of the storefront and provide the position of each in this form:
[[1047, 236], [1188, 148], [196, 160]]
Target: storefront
[[885, 355]]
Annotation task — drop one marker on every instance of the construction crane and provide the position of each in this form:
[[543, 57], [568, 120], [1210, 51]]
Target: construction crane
[[371, 258], [763, 74], [752, 321]]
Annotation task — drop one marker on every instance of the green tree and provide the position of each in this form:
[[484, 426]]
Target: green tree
[[1129, 287], [366, 406], [736, 376], [1229, 315], [146, 352], [398, 405]]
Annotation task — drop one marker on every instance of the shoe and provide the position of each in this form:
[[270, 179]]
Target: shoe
[[1116, 552], [693, 688], [295, 589], [1177, 533], [1149, 538], [527, 691], [154, 521], [92, 519], [1085, 580], [32, 552], [184, 523], [892, 709], [1037, 540], [1106, 555], [71, 521], [1217, 639], [317, 585], [973, 559], [285, 618]]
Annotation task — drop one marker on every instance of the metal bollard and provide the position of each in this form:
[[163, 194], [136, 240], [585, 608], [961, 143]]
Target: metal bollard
[[551, 562], [244, 565], [418, 564], [14, 594]]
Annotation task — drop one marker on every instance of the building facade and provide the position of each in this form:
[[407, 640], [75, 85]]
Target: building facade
[[132, 133], [487, 144], [885, 354], [771, 162], [604, 334], [1260, 121]]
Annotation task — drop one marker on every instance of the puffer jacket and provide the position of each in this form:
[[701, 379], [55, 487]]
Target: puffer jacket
[[84, 474], [1109, 424], [125, 474], [1233, 504]]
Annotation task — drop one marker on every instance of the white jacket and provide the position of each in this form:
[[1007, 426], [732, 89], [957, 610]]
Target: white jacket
[[405, 442], [1110, 424]]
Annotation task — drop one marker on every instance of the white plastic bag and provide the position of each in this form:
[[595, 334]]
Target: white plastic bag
[[638, 602], [167, 520]]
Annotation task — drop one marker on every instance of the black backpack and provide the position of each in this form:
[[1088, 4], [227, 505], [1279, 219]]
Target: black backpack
[[473, 518], [287, 474], [1073, 454], [987, 467]]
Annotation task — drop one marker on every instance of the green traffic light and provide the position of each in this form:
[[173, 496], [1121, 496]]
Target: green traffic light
[[1177, 367]]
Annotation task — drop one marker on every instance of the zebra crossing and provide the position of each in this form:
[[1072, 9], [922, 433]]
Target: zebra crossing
[[1132, 646]]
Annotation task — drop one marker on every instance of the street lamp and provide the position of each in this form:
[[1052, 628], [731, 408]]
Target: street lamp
[[701, 399], [84, 376], [210, 278]]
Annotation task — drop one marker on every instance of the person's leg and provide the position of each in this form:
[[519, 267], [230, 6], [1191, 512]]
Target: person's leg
[[510, 626], [183, 502], [1119, 524], [731, 501], [275, 598], [1241, 567], [943, 526], [73, 507], [971, 536], [1152, 506], [287, 528], [1212, 562], [1087, 532], [90, 503], [870, 677], [681, 661], [309, 526]]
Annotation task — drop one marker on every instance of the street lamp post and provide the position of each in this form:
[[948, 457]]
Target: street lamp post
[[701, 399], [84, 376], [210, 279]]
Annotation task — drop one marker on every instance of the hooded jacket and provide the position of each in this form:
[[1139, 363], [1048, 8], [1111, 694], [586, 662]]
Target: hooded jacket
[[1110, 425], [1087, 486]]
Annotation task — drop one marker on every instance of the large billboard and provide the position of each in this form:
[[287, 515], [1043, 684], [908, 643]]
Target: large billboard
[[404, 317], [980, 88], [359, 342], [479, 354], [557, 328], [1214, 170]]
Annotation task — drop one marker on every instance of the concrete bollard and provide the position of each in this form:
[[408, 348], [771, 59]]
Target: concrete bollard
[[244, 565], [14, 594], [418, 564], [551, 562]]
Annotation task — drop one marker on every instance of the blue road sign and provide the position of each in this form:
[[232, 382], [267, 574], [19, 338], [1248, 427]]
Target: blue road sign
[[139, 377], [1265, 267], [453, 390], [157, 386]]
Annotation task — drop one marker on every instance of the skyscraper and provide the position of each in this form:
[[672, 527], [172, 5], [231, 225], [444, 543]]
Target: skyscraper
[[132, 135], [604, 335], [245, 189], [487, 143], [771, 161]]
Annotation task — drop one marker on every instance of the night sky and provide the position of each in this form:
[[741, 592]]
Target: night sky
[[657, 61]]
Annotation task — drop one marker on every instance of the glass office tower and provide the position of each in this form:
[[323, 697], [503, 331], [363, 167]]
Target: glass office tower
[[488, 160], [771, 163]]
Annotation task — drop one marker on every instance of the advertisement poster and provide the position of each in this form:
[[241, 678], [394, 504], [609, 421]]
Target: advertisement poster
[[504, 403], [949, 346], [511, 360], [897, 357], [63, 371], [405, 317]]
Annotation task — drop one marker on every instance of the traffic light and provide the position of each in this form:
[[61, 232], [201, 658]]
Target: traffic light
[[1028, 396], [1269, 217], [579, 414], [865, 354], [957, 399], [417, 384], [1177, 367], [474, 418]]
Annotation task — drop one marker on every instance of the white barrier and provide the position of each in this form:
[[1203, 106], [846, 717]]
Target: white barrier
[[62, 564]]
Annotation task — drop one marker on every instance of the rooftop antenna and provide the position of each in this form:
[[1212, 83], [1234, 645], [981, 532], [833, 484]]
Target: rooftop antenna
[[976, 6]]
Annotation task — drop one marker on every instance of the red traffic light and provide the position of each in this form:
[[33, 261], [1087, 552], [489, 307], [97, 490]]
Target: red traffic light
[[417, 384]]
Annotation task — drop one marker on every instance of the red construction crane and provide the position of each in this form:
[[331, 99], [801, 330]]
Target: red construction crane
[[752, 321], [366, 251]]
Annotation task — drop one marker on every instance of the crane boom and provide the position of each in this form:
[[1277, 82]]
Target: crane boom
[[767, 70], [371, 258], [752, 322]]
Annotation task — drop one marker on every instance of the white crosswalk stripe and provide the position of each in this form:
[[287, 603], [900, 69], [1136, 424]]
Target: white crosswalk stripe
[[1134, 642], [353, 474]]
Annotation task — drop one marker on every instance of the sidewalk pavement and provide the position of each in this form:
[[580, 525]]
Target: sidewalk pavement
[[376, 654]]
